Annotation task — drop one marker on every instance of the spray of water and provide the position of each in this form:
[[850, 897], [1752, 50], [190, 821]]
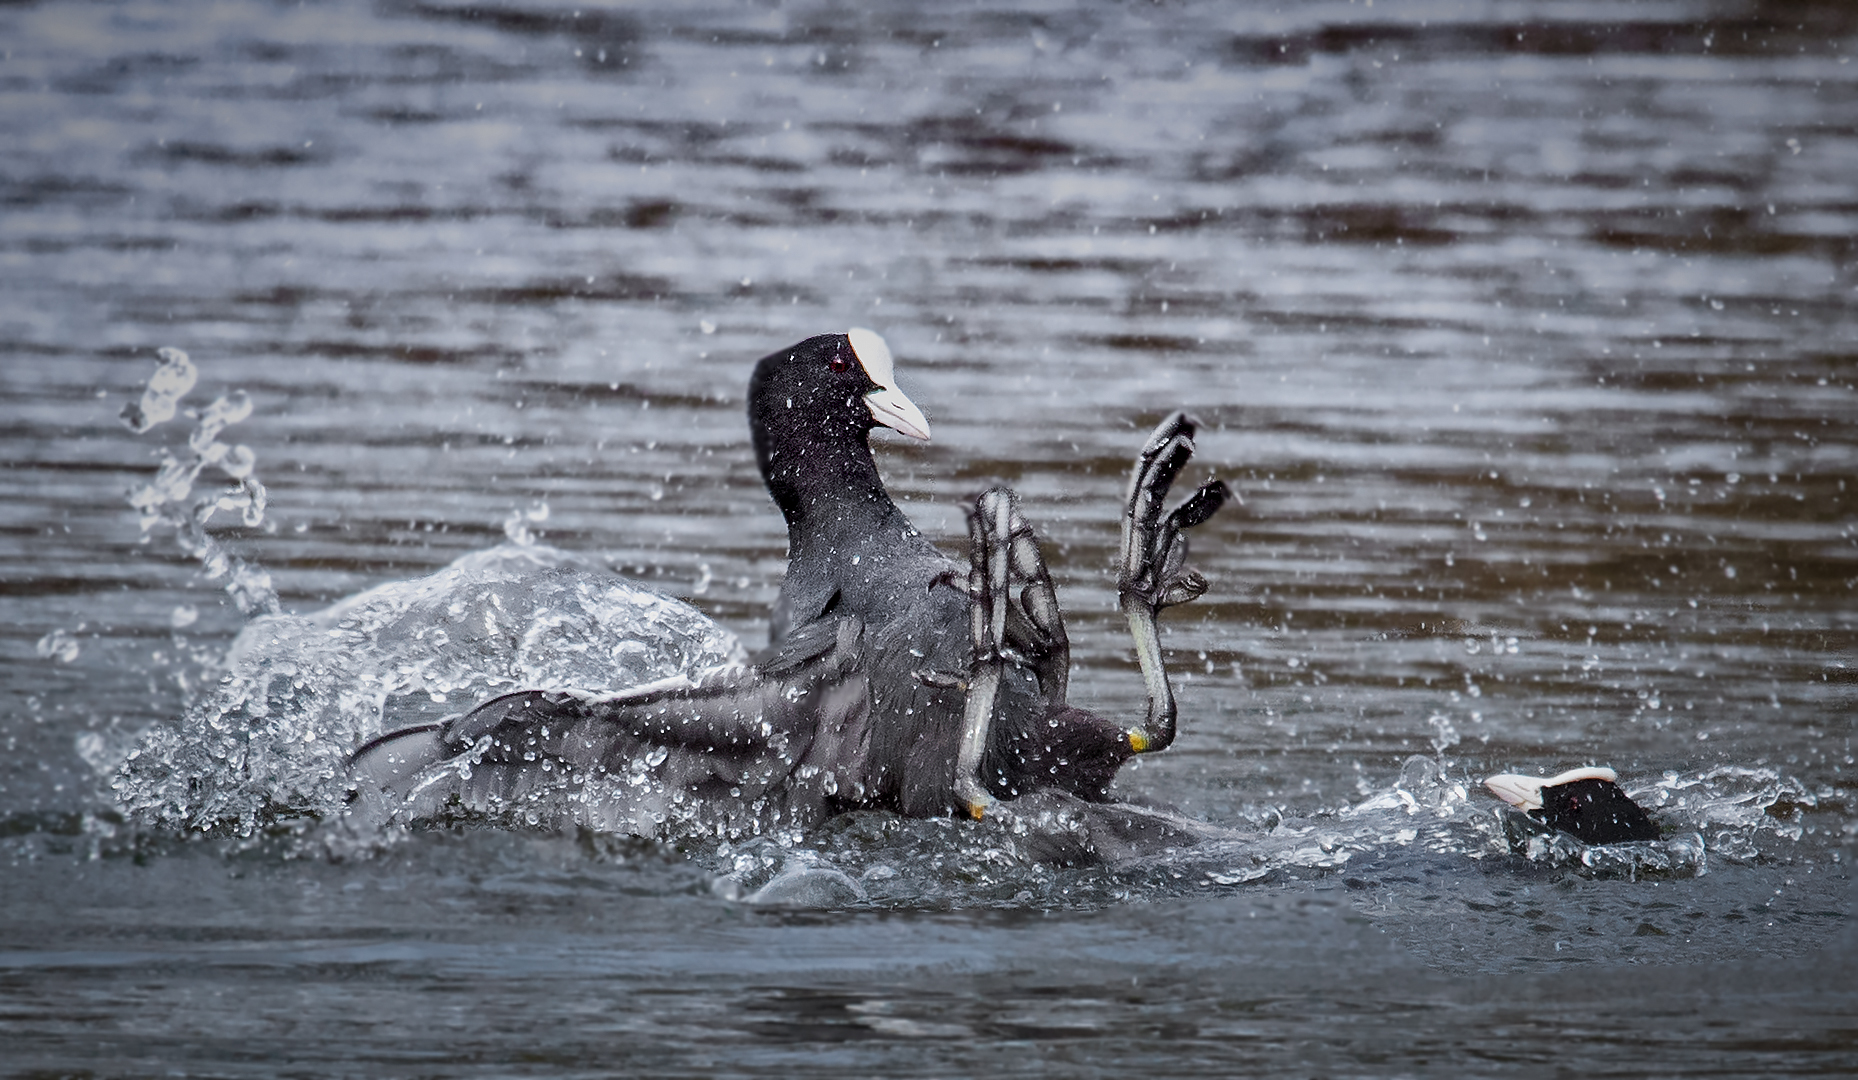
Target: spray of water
[[168, 502]]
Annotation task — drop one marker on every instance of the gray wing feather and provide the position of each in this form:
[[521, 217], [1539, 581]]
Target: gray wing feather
[[747, 746]]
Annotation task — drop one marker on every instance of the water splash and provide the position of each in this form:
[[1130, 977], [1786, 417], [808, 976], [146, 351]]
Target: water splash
[[269, 744], [166, 387], [300, 693], [167, 501], [1425, 815], [1732, 806]]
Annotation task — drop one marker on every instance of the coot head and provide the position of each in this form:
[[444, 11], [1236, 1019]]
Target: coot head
[[827, 390], [811, 408], [1586, 803]]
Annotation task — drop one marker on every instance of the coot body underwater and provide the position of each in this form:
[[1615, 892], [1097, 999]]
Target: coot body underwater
[[896, 679]]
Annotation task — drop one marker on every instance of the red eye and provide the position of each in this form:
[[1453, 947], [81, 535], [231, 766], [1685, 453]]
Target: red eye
[[840, 361]]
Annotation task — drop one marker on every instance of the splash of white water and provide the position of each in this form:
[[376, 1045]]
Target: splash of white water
[[300, 693], [167, 501]]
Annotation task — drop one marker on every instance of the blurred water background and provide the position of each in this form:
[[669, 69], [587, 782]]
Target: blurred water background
[[1524, 330]]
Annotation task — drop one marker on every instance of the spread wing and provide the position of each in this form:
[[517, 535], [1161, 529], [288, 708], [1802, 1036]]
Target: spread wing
[[742, 749]]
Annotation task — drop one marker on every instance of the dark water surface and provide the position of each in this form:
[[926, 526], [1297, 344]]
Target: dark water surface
[[1526, 333]]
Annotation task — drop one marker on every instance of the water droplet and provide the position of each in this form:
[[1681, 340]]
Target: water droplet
[[59, 645], [170, 382]]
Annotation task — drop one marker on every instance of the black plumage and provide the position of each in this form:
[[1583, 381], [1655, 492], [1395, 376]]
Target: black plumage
[[1596, 811], [741, 751]]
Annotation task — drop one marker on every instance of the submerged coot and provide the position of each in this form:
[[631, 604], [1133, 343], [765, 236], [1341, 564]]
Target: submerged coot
[[1585, 803], [896, 679]]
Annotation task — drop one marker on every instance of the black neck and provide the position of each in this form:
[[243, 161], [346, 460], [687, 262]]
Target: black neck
[[819, 469]]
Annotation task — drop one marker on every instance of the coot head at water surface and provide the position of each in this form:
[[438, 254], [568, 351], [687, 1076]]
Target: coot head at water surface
[[1586, 803]]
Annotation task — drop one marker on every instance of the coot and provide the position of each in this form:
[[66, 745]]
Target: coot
[[1586, 803], [896, 678]]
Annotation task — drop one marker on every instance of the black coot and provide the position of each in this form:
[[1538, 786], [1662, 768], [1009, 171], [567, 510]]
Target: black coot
[[1585, 803], [897, 678], [967, 666]]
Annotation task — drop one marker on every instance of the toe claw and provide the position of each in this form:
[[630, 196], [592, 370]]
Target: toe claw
[[1188, 585]]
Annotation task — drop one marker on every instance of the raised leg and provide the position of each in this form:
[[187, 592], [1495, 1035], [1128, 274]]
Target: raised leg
[[1154, 574], [1013, 616]]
